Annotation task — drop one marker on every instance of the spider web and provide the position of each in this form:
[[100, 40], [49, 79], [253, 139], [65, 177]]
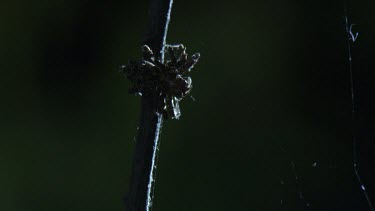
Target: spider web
[[300, 192], [351, 38]]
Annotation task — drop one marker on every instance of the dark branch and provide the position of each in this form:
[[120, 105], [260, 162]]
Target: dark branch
[[140, 195], [160, 11]]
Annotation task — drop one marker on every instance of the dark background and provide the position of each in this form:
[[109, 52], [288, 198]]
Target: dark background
[[272, 103]]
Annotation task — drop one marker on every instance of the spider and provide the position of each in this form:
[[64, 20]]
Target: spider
[[151, 77]]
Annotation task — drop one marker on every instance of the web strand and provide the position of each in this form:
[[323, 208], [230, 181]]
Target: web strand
[[352, 38], [297, 178]]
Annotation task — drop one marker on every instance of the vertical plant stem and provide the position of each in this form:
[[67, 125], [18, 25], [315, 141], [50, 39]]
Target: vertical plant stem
[[140, 195]]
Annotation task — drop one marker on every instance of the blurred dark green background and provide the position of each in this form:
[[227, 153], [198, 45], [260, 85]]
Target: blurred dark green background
[[272, 103]]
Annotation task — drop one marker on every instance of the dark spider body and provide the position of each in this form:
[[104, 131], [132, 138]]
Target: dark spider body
[[151, 77]]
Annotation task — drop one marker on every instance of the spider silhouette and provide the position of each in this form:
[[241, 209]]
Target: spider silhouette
[[165, 80]]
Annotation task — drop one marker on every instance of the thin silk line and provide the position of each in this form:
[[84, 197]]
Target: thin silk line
[[351, 38]]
